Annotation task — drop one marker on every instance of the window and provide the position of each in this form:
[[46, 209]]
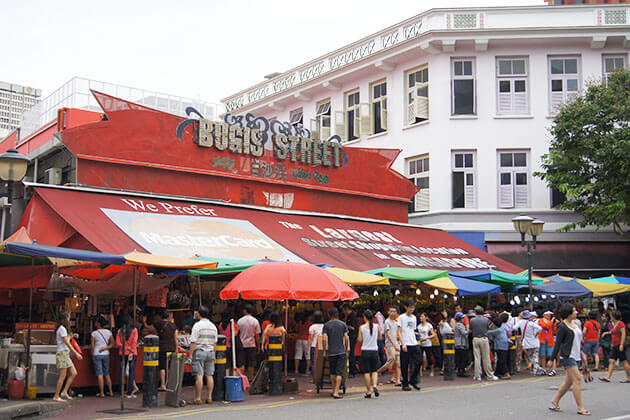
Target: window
[[610, 63], [418, 172], [463, 178], [512, 91], [379, 107], [320, 125], [417, 95], [557, 198], [352, 116], [296, 119], [513, 179], [564, 80], [463, 88]]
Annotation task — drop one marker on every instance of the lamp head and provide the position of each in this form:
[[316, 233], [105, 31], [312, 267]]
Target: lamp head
[[522, 223], [536, 228], [13, 165]]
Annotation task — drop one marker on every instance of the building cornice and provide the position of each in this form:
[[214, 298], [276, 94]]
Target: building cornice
[[434, 26]]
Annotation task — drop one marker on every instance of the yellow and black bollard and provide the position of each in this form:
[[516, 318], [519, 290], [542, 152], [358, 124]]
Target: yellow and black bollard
[[218, 393], [275, 365], [512, 355], [448, 343], [150, 384]]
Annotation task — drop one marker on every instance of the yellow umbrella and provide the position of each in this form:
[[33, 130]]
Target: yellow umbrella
[[444, 284], [150, 260], [604, 289], [358, 278]]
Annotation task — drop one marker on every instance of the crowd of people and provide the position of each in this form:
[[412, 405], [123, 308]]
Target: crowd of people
[[407, 343]]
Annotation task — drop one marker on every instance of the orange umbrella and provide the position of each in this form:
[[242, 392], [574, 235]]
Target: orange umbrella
[[287, 280]]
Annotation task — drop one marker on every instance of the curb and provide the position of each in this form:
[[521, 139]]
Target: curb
[[31, 409]]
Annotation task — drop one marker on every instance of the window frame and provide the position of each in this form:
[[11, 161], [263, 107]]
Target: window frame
[[606, 74], [466, 171], [564, 77], [411, 95], [381, 101], [355, 110], [514, 170], [299, 123], [512, 78], [416, 175], [472, 76]]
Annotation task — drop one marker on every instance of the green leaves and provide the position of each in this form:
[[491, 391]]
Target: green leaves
[[589, 157]]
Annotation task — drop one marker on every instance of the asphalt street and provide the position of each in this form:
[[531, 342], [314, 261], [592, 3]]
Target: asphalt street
[[517, 399]]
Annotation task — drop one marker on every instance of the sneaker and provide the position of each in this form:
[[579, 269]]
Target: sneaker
[[406, 388], [552, 373], [493, 378], [477, 379]]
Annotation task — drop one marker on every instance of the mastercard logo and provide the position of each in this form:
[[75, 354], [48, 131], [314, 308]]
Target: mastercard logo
[[209, 238]]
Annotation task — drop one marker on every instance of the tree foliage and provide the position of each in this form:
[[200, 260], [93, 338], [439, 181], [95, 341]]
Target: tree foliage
[[589, 157]]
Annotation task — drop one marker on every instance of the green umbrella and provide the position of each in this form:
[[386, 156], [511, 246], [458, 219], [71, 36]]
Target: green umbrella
[[411, 274], [225, 266]]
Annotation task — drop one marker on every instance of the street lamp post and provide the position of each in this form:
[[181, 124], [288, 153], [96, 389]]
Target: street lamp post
[[525, 225], [13, 166]]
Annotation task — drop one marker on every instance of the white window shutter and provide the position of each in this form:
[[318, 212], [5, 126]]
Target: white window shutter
[[383, 117], [411, 113], [324, 133], [315, 130], [422, 103], [356, 127], [505, 102], [557, 99], [521, 195], [520, 104], [422, 200], [470, 193], [365, 118], [506, 193], [340, 124]]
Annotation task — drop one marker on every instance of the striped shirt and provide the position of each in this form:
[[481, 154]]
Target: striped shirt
[[204, 335]]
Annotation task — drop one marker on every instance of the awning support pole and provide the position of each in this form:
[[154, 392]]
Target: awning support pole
[[286, 354]]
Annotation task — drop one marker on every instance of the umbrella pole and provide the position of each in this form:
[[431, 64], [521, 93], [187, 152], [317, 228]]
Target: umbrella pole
[[286, 354], [199, 289], [30, 319], [134, 294], [233, 345]]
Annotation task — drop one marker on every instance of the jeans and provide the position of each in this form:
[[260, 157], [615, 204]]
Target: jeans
[[606, 353], [481, 352], [382, 357], [312, 354], [410, 360], [131, 366]]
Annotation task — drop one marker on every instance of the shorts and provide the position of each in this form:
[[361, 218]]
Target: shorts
[[203, 363], [247, 357], [393, 356], [369, 361], [568, 362], [546, 350], [591, 347], [337, 364], [302, 350], [615, 354], [62, 359], [101, 364]]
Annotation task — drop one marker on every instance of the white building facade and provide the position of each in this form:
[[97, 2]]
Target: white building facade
[[468, 95]]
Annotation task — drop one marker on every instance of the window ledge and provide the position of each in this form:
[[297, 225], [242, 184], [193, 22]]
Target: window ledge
[[464, 117], [373, 136], [407, 127], [516, 117], [551, 116], [344, 143]]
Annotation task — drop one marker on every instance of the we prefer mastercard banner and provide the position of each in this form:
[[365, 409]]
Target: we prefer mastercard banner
[[184, 236]]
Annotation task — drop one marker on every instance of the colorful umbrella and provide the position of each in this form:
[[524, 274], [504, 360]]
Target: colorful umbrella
[[578, 288], [496, 277], [612, 279], [463, 287], [557, 278], [161, 261], [358, 278], [287, 280], [411, 274], [225, 266]]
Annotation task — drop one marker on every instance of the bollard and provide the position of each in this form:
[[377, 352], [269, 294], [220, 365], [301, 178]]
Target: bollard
[[218, 393], [512, 355], [449, 356], [275, 365], [149, 387]]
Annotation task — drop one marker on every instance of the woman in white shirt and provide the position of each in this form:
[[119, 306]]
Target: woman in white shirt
[[64, 363], [314, 331], [369, 334], [102, 342], [427, 333]]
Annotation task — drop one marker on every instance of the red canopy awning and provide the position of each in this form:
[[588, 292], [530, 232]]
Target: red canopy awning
[[119, 224]]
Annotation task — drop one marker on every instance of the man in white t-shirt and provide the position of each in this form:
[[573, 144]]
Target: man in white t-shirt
[[530, 329], [392, 345], [410, 351], [203, 339], [249, 334]]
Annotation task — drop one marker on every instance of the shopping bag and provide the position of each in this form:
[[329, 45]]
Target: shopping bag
[[244, 379]]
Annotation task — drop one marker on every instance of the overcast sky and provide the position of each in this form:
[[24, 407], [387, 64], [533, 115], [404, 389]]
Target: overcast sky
[[200, 49]]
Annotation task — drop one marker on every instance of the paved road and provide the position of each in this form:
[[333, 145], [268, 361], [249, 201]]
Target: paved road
[[516, 399]]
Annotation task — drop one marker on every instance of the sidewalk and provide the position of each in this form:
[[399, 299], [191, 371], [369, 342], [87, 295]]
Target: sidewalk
[[15, 409], [93, 408]]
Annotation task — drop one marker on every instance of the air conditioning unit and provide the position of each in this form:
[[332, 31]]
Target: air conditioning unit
[[53, 176]]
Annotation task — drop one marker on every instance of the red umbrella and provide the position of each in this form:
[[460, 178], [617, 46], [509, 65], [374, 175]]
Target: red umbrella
[[287, 280]]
